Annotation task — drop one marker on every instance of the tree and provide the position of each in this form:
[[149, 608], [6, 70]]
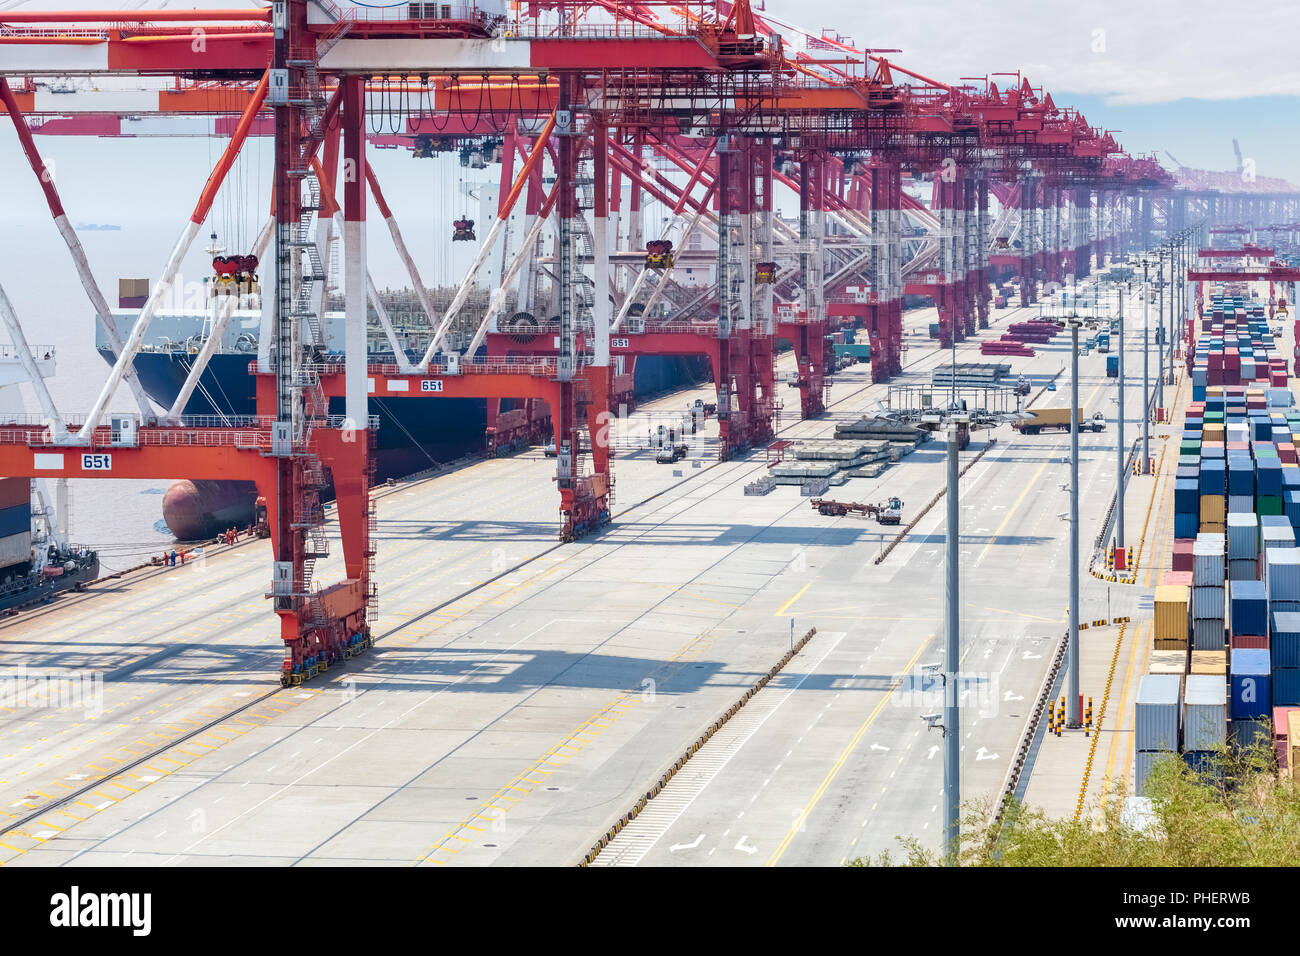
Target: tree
[[1234, 810]]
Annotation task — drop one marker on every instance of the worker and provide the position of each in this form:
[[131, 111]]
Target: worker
[[173, 557], [182, 558]]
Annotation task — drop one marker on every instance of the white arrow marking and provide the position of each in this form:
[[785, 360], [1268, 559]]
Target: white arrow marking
[[933, 750], [686, 846], [1029, 657], [983, 754], [879, 747], [740, 845], [1010, 696]]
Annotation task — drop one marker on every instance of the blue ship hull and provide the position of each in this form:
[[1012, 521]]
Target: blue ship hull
[[414, 433]]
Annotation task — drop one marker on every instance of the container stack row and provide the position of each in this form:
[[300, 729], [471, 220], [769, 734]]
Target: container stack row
[[1225, 666]]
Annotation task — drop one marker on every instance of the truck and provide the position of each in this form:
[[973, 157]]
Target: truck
[[1022, 386], [1112, 366], [1103, 341], [891, 512], [1050, 419]]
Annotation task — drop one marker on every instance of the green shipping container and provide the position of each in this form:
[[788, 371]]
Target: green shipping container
[[1268, 505], [1190, 448]]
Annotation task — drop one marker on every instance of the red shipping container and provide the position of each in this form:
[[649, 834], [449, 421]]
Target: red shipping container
[[1182, 556], [14, 492], [1286, 452], [1250, 640], [1178, 578]]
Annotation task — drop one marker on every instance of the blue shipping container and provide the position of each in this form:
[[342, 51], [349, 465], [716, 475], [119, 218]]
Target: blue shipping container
[[1286, 687], [1284, 639], [1248, 607], [1251, 695]]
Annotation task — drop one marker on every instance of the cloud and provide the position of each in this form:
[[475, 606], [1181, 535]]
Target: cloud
[[1131, 52]]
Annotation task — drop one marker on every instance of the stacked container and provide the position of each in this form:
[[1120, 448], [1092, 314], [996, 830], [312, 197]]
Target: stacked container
[[1171, 612], [1208, 607], [1156, 722]]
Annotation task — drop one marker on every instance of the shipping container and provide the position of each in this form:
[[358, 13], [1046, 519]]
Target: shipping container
[[1284, 641], [1251, 671], [1248, 604], [1168, 662], [1286, 686], [1171, 613], [1209, 634], [1205, 712], [1283, 574], [1208, 561], [1243, 569], [1243, 535], [1249, 734], [1209, 662], [15, 492], [1143, 762], [1293, 739], [1208, 603], [1157, 712]]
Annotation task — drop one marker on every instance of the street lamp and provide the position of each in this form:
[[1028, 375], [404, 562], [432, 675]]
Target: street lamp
[[1146, 365], [1075, 715]]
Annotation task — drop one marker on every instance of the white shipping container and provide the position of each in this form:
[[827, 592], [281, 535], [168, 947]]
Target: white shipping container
[[1243, 533], [15, 549], [1207, 603], [1209, 634], [1276, 536], [1238, 431], [1208, 559], [1157, 712], [1283, 574], [1280, 398], [1205, 712]]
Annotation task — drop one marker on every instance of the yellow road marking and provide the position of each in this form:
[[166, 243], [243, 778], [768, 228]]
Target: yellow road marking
[[844, 755], [786, 606]]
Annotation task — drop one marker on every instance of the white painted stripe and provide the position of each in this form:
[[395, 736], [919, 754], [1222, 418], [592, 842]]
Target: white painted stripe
[[397, 385], [632, 843], [47, 462]]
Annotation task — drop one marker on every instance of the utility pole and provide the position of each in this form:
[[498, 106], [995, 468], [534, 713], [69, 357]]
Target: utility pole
[[952, 657], [1119, 440], [1075, 715], [1160, 338], [1146, 367]]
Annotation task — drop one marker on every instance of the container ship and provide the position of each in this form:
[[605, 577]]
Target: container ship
[[414, 433], [36, 560]]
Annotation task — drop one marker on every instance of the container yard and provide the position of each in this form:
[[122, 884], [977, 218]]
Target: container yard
[[627, 435]]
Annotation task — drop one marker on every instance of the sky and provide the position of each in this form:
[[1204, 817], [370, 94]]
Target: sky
[[1179, 75]]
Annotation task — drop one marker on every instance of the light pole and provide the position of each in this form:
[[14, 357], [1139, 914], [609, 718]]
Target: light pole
[[1119, 441], [1075, 715], [952, 658], [1160, 337], [1146, 367]]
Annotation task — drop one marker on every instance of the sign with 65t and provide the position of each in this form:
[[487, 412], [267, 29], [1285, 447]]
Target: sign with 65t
[[96, 462], [431, 385]]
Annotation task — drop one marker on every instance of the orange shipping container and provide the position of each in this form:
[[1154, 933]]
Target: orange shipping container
[[1171, 613], [1210, 662], [1213, 509]]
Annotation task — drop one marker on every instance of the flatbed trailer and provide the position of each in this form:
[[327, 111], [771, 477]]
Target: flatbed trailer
[[889, 513]]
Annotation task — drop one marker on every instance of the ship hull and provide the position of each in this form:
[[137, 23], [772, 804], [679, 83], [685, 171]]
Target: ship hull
[[414, 433]]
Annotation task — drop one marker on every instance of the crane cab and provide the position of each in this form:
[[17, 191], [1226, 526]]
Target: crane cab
[[659, 254]]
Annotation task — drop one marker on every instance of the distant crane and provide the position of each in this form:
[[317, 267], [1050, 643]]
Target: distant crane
[[1176, 160], [1236, 148]]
